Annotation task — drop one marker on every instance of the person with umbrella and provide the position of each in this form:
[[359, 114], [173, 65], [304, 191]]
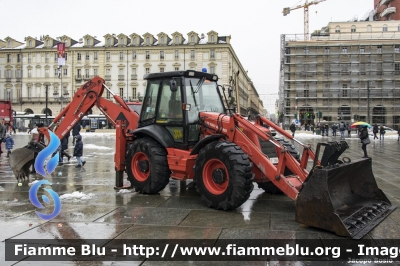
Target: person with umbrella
[[364, 137]]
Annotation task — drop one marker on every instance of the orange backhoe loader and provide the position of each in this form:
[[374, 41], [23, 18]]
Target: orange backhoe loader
[[184, 132]]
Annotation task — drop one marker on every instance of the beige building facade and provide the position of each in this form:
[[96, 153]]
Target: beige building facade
[[347, 71], [28, 68]]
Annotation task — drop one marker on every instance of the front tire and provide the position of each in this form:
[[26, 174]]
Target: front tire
[[223, 175], [147, 166]]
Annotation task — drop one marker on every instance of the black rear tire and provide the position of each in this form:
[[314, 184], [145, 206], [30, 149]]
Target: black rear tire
[[223, 175], [147, 166]]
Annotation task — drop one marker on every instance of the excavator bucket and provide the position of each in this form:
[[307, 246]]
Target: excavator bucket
[[342, 197], [21, 159]]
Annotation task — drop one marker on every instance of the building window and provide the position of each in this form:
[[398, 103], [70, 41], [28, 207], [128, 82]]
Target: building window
[[56, 72], [176, 54], [134, 55], [162, 40], [8, 58], [147, 55], [379, 49], [147, 40], [121, 56], [337, 29], [177, 39], [306, 93], [192, 38], [362, 50], [369, 28], [344, 50], [212, 38], [79, 56], [344, 93], [288, 102], [327, 67], [29, 73], [95, 56], [212, 70], [306, 51], [87, 57], [161, 55], [353, 28], [345, 68], [121, 92], [30, 43], [95, 72], [87, 73], [397, 66], [47, 73], [121, 41], [65, 70], [109, 41], [108, 56], [212, 54], [327, 50], [19, 58], [108, 95], [147, 70], [176, 68], [161, 69], [29, 92], [55, 57], [192, 54], [134, 75], [47, 43], [135, 41], [134, 93], [385, 28], [327, 86], [397, 49]]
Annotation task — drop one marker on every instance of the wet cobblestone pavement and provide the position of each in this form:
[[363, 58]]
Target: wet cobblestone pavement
[[176, 212]]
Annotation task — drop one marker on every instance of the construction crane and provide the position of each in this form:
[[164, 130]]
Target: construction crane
[[287, 10]]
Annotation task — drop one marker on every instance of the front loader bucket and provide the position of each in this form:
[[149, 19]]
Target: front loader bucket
[[343, 198]]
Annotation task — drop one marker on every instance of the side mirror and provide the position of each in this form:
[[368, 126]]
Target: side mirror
[[173, 86], [230, 92]]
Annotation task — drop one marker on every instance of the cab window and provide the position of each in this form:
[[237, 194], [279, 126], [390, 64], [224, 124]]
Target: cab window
[[150, 101]]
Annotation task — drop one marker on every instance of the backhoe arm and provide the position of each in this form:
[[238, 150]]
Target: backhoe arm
[[87, 96]]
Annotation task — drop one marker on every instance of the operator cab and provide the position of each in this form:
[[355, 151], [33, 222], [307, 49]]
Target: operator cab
[[174, 100]]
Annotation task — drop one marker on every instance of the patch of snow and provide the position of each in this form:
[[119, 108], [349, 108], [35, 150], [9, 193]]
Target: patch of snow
[[77, 195], [31, 184], [93, 146], [1, 188], [123, 191]]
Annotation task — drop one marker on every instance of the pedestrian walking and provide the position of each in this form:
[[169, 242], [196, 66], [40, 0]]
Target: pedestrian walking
[[334, 129], [398, 132], [348, 130], [292, 128], [312, 129], [75, 132], [364, 137], [322, 128], [78, 151], [327, 130], [2, 133], [382, 133], [375, 130], [8, 140], [63, 148], [342, 128]]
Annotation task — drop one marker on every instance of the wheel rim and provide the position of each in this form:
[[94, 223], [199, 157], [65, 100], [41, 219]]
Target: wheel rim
[[215, 176], [140, 166]]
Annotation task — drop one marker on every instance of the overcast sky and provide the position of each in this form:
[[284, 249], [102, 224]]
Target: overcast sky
[[254, 25]]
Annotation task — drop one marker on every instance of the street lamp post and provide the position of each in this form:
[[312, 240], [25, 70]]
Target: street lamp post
[[368, 102], [47, 100]]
